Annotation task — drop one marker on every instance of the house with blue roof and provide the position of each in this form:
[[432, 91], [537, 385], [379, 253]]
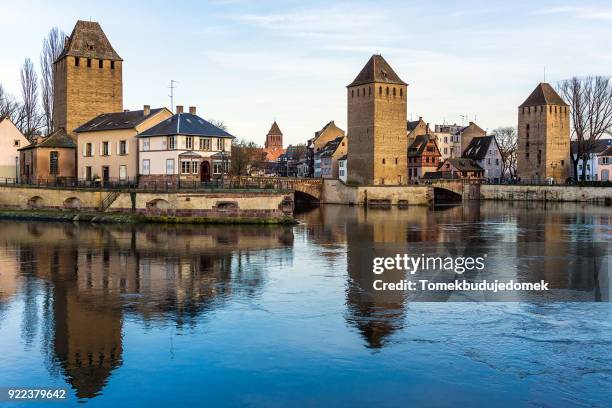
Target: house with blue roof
[[184, 147]]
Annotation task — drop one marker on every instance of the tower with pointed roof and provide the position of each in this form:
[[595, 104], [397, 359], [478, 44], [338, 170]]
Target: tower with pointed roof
[[87, 77], [543, 150], [377, 110], [274, 138]]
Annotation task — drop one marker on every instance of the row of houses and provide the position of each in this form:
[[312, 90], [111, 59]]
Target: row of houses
[[450, 151], [148, 146]]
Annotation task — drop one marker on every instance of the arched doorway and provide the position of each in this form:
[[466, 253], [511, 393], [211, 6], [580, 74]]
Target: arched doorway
[[205, 171]]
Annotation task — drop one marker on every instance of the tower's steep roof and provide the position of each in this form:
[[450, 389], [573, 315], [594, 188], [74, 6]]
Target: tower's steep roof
[[89, 41], [377, 70], [544, 94], [275, 130]]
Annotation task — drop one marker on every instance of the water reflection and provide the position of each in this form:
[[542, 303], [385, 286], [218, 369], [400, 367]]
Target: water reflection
[[91, 277], [526, 242], [80, 284]]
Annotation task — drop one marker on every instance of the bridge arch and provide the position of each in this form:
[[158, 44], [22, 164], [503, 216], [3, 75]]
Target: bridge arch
[[72, 203], [442, 195], [35, 202]]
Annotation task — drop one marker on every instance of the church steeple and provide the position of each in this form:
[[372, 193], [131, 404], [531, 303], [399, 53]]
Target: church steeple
[[274, 138]]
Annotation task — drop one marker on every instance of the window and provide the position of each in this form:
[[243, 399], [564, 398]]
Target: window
[[527, 132], [563, 162], [396, 160], [100, 63], [16, 143], [445, 150], [146, 144], [497, 162], [185, 167], [123, 147], [88, 173], [88, 62], [88, 150], [112, 64], [146, 166], [352, 93], [380, 90], [77, 61], [383, 161], [387, 91], [194, 167], [171, 143], [220, 144], [105, 149], [217, 166], [169, 166], [488, 161], [189, 142], [205, 143], [394, 92], [122, 172], [401, 92], [54, 162], [445, 139]]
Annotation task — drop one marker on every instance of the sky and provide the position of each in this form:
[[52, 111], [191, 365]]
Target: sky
[[249, 63]]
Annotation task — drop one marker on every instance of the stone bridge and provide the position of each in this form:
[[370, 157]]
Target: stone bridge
[[448, 191], [311, 188]]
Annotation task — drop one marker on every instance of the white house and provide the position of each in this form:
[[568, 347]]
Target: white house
[[484, 150], [184, 147], [11, 139], [592, 163]]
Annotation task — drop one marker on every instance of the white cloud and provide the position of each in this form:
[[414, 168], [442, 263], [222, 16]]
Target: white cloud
[[589, 13]]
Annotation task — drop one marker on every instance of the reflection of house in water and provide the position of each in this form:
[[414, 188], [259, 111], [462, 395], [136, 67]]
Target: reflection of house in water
[[92, 273], [566, 258]]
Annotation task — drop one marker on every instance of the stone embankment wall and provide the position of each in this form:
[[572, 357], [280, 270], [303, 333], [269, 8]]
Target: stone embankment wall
[[261, 205], [540, 193], [336, 192]]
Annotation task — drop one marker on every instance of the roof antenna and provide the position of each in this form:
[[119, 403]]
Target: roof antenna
[[172, 87]]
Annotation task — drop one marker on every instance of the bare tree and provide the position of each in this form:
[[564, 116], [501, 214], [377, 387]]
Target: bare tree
[[506, 138], [590, 101], [218, 123], [9, 106], [246, 157], [53, 45], [32, 120]]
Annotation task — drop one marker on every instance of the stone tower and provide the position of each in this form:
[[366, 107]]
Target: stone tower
[[377, 112], [274, 138], [87, 78], [543, 150]]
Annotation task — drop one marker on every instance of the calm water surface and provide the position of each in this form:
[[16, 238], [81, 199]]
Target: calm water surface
[[277, 316]]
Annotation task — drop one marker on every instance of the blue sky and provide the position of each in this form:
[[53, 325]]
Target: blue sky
[[249, 63]]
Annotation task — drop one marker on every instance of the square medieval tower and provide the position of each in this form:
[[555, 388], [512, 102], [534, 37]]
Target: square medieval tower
[[543, 150], [377, 110], [87, 78]]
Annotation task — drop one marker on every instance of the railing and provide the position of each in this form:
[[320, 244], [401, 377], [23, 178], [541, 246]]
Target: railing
[[127, 185]]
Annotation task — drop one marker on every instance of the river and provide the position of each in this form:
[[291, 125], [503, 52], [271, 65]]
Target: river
[[159, 315]]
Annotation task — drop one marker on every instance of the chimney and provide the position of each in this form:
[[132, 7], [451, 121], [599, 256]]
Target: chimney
[[126, 110], [471, 123], [420, 118], [179, 108], [192, 110], [146, 110]]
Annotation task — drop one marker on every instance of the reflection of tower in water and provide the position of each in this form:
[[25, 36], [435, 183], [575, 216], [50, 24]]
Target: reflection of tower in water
[[376, 314]]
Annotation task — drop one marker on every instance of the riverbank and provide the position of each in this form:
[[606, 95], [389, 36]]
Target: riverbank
[[127, 218]]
